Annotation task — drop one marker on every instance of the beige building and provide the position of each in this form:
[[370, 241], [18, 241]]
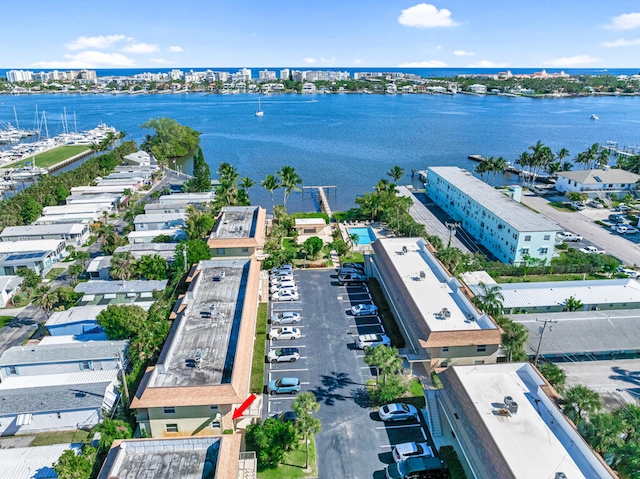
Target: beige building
[[239, 231], [204, 369], [310, 226], [440, 324]]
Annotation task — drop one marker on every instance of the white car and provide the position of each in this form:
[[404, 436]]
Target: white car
[[406, 450], [364, 310], [591, 250], [289, 355], [286, 269], [280, 278], [284, 333], [285, 317], [568, 236], [282, 286], [624, 229], [285, 295], [372, 340], [632, 273]]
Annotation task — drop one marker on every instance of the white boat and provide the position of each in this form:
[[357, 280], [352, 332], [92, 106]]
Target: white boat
[[594, 117], [259, 111]]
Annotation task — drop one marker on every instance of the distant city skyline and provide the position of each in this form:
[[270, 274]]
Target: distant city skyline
[[375, 33]]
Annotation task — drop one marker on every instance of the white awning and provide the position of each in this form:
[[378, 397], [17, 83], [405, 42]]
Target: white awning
[[23, 419], [88, 297], [131, 295], [146, 295], [110, 296]]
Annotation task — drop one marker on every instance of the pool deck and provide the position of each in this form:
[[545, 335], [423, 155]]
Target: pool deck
[[378, 229]]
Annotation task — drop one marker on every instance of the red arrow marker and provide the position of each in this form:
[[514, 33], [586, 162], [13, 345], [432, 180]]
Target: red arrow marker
[[239, 411]]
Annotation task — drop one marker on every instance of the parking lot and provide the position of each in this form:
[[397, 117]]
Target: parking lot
[[354, 442]]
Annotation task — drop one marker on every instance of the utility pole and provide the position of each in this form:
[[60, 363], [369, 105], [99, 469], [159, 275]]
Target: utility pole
[[452, 230], [542, 329], [124, 378]]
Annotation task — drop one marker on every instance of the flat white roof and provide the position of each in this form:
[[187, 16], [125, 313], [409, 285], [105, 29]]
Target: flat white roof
[[555, 293], [75, 314], [432, 291], [35, 245], [80, 377], [76, 208], [310, 221], [154, 233], [32, 462], [159, 217], [537, 441], [67, 228]]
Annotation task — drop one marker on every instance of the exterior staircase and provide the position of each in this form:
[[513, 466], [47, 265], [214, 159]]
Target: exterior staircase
[[435, 424]]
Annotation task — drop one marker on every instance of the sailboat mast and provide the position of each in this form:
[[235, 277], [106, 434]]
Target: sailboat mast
[[75, 124], [15, 114]]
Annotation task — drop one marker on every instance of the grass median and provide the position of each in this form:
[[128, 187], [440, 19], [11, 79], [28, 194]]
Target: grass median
[[259, 348], [293, 466], [52, 157]]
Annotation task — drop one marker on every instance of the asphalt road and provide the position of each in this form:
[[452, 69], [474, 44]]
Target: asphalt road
[[583, 223], [353, 443]]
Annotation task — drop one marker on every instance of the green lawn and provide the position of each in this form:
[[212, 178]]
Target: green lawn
[[352, 257], [559, 205], [61, 437], [537, 278], [293, 467], [4, 320], [259, 348], [51, 157], [54, 273]]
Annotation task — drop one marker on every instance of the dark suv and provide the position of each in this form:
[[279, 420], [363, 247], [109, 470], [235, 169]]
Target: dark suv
[[617, 218], [351, 278]]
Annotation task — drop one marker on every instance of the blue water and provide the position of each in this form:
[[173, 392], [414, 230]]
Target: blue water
[[350, 141], [365, 235]]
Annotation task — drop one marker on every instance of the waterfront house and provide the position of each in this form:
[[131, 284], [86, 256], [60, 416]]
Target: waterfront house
[[597, 182], [193, 388], [310, 226], [75, 234], [139, 158], [477, 88], [238, 231], [509, 230], [188, 198], [440, 324]]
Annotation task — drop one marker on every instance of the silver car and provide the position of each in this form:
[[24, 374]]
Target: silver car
[[285, 317]]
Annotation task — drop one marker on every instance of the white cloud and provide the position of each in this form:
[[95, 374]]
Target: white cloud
[[425, 15], [626, 21], [358, 61], [424, 64], [573, 62], [102, 41], [488, 64], [160, 61], [438, 47], [175, 49], [462, 53], [140, 48], [621, 42], [89, 59], [310, 60]]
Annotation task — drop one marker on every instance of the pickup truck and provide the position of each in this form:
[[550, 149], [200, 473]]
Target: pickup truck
[[591, 250], [568, 236], [624, 229]]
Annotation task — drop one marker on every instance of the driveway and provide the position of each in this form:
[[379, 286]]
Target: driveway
[[353, 443], [21, 327], [582, 222]]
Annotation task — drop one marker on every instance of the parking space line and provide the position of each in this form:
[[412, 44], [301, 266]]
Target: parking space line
[[296, 346], [417, 424], [386, 445], [378, 323], [306, 383], [289, 370]]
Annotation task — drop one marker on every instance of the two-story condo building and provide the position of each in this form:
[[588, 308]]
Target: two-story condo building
[[239, 231], [510, 231], [596, 182]]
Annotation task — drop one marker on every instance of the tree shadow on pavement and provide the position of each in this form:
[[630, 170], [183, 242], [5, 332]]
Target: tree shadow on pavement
[[330, 383]]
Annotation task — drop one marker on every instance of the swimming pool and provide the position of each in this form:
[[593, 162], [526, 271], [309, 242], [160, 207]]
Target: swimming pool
[[365, 235]]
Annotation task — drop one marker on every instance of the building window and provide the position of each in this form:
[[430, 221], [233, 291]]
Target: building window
[[444, 364], [481, 348], [525, 251], [86, 366], [170, 410], [445, 349], [480, 361], [12, 371], [527, 238], [547, 237], [171, 428], [220, 251], [544, 250], [482, 224], [245, 250]]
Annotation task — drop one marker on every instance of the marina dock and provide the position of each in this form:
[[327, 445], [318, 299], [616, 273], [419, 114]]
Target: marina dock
[[322, 198], [616, 150]]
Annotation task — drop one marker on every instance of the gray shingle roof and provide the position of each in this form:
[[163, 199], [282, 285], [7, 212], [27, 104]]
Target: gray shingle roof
[[56, 353], [589, 177], [52, 398]]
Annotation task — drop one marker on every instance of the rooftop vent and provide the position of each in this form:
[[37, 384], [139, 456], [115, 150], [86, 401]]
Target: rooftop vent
[[508, 400], [560, 475], [422, 275], [404, 249]]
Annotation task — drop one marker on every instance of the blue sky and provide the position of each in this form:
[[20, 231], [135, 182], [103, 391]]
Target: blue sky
[[329, 33]]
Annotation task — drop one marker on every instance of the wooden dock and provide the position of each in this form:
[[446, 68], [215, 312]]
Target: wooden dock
[[322, 198], [616, 150]]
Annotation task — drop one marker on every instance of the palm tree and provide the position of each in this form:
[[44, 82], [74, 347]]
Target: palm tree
[[246, 184], [228, 172], [353, 239], [271, 183], [75, 271], [396, 173], [304, 405], [580, 402], [482, 168], [490, 299], [290, 181], [629, 414], [44, 298], [498, 165], [604, 433], [122, 266], [384, 359], [83, 257], [514, 337]]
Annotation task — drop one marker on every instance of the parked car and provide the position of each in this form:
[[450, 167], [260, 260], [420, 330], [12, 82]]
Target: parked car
[[283, 355], [622, 208], [591, 250], [364, 310], [285, 295], [624, 229], [285, 317], [617, 218], [595, 204], [578, 205], [280, 278], [286, 416], [632, 273], [371, 340], [398, 412], [283, 285], [569, 236], [284, 333], [356, 266], [283, 268], [344, 270], [351, 278], [418, 468], [284, 386], [403, 451]]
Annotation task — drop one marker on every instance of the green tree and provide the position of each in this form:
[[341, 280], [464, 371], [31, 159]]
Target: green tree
[[162, 239], [514, 339], [44, 298], [30, 277], [171, 140], [573, 304], [201, 180], [198, 224], [312, 246], [66, 297], [271, 441], [603, 432], [122, 266], [396, 173], [31, 210], [290, 181], [74, 271], [451, 258], [84, 257], [271, 183], [393, 388], [580, 402], [152, 267], [552, 373], [489, 299], [385, 359], [196, 251], [75, 466], [122, 321], [629, 414], [304, 406]]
